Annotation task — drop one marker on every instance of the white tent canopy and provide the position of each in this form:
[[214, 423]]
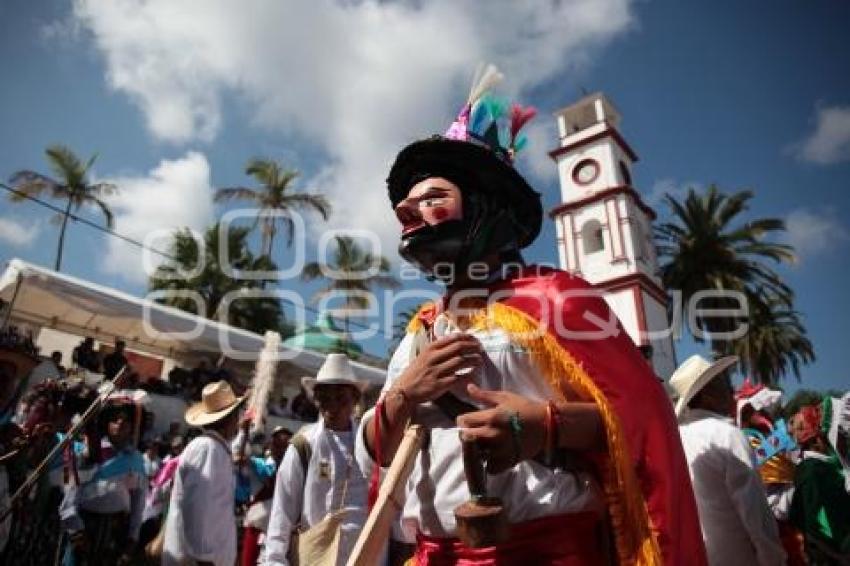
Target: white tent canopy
[[46, 298]]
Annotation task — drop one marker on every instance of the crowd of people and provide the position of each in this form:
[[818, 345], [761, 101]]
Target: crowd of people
[[513, 430], [766, 492]]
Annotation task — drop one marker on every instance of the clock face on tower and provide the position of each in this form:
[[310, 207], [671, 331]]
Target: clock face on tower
[[585, 171]]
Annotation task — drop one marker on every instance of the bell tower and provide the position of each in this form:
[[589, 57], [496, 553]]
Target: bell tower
[[604, 228]]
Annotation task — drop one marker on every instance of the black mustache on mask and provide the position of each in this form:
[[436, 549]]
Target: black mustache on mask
[[435, 249]]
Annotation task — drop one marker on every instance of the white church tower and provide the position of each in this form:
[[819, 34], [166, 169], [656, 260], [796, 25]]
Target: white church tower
[[605, 229]]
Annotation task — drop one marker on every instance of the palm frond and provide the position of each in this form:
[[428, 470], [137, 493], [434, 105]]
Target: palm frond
[[265, 171], [236, 193], [312, 271], [107, 212], [701, 248], [303, 201], [31, 183]]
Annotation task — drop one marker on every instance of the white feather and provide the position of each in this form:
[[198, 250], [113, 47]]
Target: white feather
[[484, 81], [264, 375]]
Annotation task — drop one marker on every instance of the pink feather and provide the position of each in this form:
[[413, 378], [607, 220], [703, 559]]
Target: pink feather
[[520, 117], [457, 131]]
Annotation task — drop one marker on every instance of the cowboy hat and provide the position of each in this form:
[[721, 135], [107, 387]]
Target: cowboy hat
[[217, 401], [694, 374], [336, 370]]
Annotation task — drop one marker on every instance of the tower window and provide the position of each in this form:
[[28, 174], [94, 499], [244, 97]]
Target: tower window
[[592, 238]]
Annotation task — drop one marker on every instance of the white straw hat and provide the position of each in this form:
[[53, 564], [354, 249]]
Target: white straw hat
[[217, 401], [694, 374], [336, 370]]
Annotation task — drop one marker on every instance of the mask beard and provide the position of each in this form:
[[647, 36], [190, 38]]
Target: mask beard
[[444, 251], [436, 250]]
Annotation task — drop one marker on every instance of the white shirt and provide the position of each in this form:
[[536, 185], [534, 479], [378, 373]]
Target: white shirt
[[779, 498], [437, 484], [152, 465], [305, 500], [737, 524], [201, 524]]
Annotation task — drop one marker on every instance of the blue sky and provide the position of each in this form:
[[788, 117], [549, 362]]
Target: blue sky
[[175, 98]]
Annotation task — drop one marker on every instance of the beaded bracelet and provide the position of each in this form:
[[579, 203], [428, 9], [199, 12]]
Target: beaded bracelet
[[405, 400]]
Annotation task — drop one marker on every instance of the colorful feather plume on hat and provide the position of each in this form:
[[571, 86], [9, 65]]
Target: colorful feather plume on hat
[[489, 120]]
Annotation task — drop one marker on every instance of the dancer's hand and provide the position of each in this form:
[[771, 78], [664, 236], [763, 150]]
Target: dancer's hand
[[436, 368], [505, 443]]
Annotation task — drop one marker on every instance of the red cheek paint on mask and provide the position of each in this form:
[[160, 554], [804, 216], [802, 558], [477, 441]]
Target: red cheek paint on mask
[[439, 213]]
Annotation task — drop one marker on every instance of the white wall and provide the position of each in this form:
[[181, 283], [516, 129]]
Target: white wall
[[623, 304], [663, 355]]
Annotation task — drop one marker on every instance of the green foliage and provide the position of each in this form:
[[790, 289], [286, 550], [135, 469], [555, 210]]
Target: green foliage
[[219, 291], [351, 274], [402, 320], [707, 247], [69, 184], [776, 342], [274, 196]]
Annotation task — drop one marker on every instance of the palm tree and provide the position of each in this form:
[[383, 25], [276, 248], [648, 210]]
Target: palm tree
[[274, 196], [775, 342], [348, 274], [70, 184], [402, 321], [213, 285], [703, 248]]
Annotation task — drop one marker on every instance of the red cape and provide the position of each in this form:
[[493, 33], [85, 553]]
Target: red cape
[[645, 413]]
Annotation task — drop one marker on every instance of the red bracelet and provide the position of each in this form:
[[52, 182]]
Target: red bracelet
[[375, 480]]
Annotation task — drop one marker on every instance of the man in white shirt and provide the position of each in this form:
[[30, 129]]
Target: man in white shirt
[[737, 524], [332, 481], [506, 373], [201, 527]]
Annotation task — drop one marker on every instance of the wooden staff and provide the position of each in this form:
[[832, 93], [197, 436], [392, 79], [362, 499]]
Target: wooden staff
[[376, 531], [480, 521], [93, 410]]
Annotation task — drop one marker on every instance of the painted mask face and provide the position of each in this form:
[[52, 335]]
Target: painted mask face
[[429, 202], [434, 232]]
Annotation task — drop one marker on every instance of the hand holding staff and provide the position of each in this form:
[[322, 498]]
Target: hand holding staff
[[93, 410], [376, 531]]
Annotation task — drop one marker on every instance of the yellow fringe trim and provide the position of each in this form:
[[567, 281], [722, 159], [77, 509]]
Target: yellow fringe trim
[[636, 542], [415, 324]]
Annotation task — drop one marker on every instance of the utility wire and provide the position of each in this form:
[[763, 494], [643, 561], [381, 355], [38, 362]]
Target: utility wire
[[86, 221], [141, 245]]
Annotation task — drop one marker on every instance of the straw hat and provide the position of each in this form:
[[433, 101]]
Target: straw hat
[[336, 370], [217, 401], [693, 375]]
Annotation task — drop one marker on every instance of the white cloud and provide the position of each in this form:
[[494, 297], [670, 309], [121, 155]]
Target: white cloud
[[354, 80], [830, 141], [813, 232], [17, 234], [542, 137], [175, 194]]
